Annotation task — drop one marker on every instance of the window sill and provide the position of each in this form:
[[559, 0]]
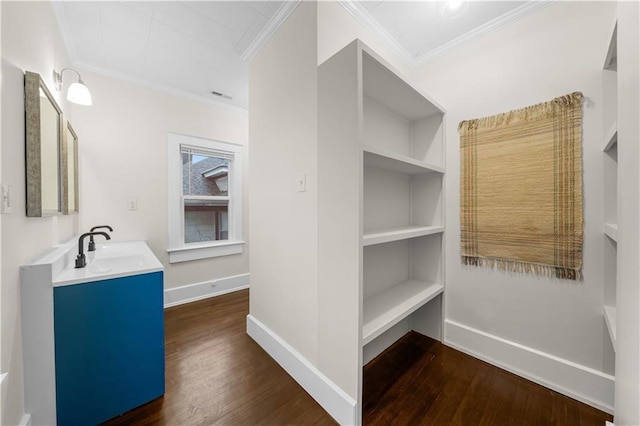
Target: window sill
[[186, 254]]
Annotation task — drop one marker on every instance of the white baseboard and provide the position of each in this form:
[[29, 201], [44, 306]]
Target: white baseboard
[[192, 292], [568, 378], [25, 420], [333, 399]]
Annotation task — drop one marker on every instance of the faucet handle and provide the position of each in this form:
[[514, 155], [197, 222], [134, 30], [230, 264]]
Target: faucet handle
[[101, 227], [92, 244], [81, 261]]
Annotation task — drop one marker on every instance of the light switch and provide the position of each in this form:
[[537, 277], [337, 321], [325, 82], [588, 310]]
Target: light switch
[[6, 199], [302, 182]]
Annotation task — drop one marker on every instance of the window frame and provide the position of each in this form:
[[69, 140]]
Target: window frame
[[178, 250]]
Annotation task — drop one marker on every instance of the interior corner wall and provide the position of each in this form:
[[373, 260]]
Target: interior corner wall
[[32, 44], [122, 154], [557, 50], [283, 130]]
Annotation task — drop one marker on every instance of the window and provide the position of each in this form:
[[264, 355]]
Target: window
[[205, 198]]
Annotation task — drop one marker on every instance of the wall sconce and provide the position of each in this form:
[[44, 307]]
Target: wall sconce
[[78, 92]]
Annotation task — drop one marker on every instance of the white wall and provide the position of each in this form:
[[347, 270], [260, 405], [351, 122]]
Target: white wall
[[283, 133], [627, 410], [122, 144], [555, 51], [30, 42], [122, 154]]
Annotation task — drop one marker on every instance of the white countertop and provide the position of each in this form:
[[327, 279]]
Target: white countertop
[[111, 260]]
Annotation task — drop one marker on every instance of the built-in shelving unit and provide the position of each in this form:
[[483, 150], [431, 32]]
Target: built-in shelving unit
[[380, 207], [610, 172], [403, 221]]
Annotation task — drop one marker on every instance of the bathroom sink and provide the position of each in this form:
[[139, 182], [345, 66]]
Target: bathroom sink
[[111, 260], [118, 263], [115, 249]]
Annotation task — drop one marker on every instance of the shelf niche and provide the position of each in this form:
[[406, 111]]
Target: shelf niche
[[399, 278], [403, 222]]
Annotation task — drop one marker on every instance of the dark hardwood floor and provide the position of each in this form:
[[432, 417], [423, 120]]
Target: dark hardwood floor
[[420, 381], [217, 375]]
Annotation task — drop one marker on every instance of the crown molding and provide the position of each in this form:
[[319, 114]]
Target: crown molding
[[364, 17], [158, 87], [495, 24], [361, 14], [270, 29]]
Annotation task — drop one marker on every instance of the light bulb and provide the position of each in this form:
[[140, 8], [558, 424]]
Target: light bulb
[[79, 94]]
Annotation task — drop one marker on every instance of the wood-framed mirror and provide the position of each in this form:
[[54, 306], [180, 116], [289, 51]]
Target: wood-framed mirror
[[70, 201], [43, 143]]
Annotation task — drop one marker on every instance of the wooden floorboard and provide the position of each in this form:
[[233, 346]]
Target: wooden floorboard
[[419, 381], [217, 375]]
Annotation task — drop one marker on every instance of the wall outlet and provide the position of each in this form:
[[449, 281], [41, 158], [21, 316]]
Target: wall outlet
[[132, 204], [6, 199], [302, 182]]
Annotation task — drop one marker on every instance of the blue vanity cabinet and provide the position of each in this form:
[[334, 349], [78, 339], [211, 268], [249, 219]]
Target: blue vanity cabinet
[[109, 347]]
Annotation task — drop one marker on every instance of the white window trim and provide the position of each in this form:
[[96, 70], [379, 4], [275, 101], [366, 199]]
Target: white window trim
[[178, 250]]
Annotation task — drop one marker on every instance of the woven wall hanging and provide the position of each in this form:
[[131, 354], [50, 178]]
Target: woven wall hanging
[[521, 189]]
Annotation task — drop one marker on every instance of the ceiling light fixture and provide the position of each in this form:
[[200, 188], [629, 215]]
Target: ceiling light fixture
[[77, 92], [453, 8]]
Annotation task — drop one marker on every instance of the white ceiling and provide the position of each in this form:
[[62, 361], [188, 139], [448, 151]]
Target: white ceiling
[[195, 47]]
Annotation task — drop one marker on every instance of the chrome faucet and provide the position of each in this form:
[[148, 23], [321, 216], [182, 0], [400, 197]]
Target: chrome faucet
[[81, 260], [92, 244]]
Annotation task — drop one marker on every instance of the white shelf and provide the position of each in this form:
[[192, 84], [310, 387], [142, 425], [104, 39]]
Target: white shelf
[[611, 231], [610, 319], [397, 234], [611, 138], [386, 309], [611, 60], [374, 157]]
